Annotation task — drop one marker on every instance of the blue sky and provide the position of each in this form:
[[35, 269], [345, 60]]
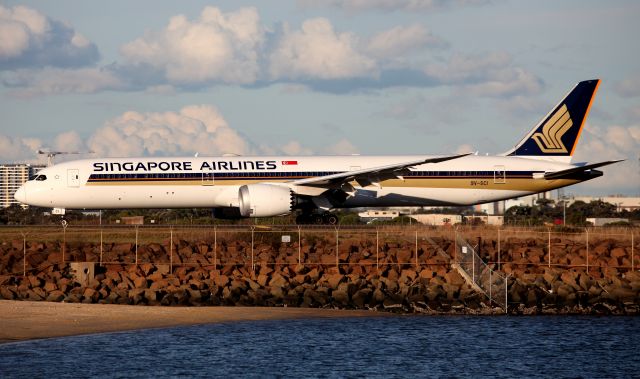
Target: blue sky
[[128, 78]]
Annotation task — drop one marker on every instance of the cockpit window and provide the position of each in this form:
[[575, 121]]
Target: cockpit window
[[40, 178]]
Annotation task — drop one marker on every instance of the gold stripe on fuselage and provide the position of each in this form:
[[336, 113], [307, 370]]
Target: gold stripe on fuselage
[[511, 184]]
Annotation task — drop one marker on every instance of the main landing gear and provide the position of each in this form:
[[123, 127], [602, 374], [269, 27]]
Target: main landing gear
[[326, 218]]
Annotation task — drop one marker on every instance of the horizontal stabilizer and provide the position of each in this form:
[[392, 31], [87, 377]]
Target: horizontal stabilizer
[[576, 170]]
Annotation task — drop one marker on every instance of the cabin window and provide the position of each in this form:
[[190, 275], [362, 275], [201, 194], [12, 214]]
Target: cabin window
[[41, 178]]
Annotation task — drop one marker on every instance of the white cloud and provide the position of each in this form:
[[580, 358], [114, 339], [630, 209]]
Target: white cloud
[[390, 5], [629, 87], [402, 40], [609, 143], [465, 148], [216, 47], [489, 74], [30, 39], [194, 129], [70, 142], [14, 149], [47, 81], [317, 51], [341, 147], [295, 148]]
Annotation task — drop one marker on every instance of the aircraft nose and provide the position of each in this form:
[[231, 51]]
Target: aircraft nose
[[21, 195]]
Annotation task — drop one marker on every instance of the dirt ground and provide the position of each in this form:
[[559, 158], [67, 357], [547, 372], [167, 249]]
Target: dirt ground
[[24, 320]]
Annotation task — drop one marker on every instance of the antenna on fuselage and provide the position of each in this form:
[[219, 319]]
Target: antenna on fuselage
[[52, 154]]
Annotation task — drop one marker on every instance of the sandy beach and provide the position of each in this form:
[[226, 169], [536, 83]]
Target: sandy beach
[[24, 320]]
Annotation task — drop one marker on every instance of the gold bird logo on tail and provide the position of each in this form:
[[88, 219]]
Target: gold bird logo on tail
[[550, 140]]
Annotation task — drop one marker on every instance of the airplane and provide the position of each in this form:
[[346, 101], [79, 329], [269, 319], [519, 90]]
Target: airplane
[[314, 186]]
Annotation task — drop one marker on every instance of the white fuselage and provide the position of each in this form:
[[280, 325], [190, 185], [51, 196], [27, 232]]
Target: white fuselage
[[188, 182]]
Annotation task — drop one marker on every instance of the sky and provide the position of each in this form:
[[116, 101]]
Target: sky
[[301, 77]]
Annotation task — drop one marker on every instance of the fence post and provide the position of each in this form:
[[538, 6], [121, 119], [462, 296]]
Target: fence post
[[473, 265], [499, 251], [455, 244], [337, 246], [416, 249], [506, 294], [252, 231], [587, 233], [549, 247], [377, 249], [299, 246], [64, 238], [24, 257], [100, 246], [136, 245], [171, 249], [632, 250], [490, 286], [215, 247]]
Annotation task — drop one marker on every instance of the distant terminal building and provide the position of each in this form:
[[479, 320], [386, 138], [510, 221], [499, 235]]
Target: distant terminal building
[[12, 176], [438, 219], [369, 216]]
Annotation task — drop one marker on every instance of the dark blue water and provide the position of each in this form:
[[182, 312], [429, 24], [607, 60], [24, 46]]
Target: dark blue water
[[402, 346]]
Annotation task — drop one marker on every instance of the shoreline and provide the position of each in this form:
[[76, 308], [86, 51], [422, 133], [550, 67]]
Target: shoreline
[[28, 320]]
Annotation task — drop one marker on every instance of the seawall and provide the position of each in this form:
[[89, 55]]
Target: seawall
[[395, 274]]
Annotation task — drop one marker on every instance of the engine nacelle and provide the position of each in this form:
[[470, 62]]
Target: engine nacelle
[[265, 200]]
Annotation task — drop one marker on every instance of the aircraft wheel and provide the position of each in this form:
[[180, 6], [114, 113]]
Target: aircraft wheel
[[318, 219], [330, 219]]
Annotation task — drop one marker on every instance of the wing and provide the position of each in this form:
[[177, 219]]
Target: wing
[[576, 170], [368, 176]]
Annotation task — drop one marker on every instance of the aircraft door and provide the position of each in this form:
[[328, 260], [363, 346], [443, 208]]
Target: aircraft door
[[73, 178], [499, 175], [208, 178]]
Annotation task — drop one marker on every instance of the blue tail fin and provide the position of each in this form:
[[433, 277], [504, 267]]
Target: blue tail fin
[[556, 136]]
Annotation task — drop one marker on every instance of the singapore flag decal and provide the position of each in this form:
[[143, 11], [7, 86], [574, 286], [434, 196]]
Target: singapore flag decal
[[289, 163]]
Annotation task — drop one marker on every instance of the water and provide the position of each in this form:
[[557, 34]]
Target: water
[[399, 346]]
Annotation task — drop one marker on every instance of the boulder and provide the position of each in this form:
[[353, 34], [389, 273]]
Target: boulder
[[333, 280], [7, 293], [56, 296], [278, 280]]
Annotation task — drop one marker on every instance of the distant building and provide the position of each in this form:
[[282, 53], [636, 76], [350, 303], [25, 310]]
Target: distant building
[[438, 219], [132, 220], [378, 215], [602, 221], [12, 176], [484, 219]]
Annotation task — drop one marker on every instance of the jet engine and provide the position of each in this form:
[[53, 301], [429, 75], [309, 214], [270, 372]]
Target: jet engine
[[265, 200]]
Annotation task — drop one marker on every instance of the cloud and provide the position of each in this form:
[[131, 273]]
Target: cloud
[[608, 143], [14, 149], [341, 147], [629, 87], [464, 149], [235, 48], [194, 129], [390, 5], [317, 51], [489, 74], [30, 39], [47, 81], [217, 46], [295, 148], [402, 40]]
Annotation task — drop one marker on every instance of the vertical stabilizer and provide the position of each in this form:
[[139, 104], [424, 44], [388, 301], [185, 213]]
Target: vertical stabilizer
[[556, 135]]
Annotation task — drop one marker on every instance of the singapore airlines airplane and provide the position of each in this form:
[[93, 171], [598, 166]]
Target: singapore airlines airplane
[[237, 186]]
